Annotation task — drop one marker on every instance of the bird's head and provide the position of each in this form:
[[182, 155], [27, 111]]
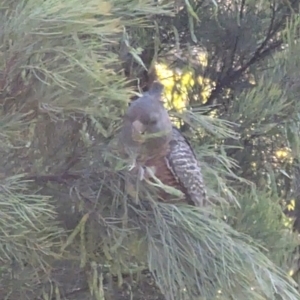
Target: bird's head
[[147, 126]]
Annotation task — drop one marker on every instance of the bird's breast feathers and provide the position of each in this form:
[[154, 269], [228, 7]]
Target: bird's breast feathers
[[176, 166]]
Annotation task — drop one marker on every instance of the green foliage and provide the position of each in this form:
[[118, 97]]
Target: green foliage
[[251, 65], [67, 226], [199, 252], [25, 220], [260, 216], [62, 89]]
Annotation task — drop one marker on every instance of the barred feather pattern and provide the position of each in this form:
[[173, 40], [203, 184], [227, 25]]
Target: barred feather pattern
[[184, 166]]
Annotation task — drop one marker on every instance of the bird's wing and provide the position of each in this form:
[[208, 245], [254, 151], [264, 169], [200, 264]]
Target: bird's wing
[[183, 164]]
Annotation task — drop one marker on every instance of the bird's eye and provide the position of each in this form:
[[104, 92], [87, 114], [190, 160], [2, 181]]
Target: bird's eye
[[152, 122]]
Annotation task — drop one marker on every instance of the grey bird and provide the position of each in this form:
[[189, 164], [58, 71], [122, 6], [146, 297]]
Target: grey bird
[[158, 152]]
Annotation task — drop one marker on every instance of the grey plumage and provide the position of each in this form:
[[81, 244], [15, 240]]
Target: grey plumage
[[166, 152]]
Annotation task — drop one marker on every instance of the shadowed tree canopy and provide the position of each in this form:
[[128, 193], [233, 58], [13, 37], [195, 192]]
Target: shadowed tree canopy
[[68, 70]]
